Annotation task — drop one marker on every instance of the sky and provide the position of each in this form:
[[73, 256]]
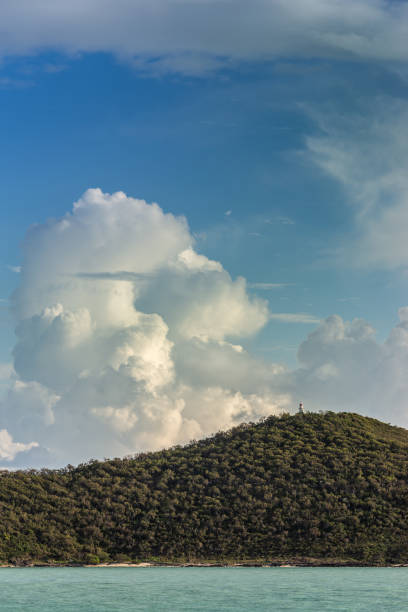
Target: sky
[[204, 211]]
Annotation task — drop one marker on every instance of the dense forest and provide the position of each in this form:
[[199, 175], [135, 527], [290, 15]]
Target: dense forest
[[325, 487]]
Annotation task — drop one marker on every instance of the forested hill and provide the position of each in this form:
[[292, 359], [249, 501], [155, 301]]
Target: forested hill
[[328, 486]]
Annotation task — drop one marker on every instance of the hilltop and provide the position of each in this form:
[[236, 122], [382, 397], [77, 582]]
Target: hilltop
[[313, 488]]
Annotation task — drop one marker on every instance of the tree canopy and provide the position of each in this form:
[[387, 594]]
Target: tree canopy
[[322, 486]]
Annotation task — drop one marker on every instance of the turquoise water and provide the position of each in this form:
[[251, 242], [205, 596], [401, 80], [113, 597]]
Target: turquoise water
[[204, 589]]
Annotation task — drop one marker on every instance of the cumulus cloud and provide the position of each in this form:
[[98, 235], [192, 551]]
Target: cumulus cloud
[[366, 151], [9, 449], [194, 37], [127, 337], [344, 367], [129, 340]]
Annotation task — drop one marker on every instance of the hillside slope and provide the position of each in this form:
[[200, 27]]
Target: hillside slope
[[322, 486]]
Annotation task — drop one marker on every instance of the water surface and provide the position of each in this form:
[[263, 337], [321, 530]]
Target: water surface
[[203, 589]]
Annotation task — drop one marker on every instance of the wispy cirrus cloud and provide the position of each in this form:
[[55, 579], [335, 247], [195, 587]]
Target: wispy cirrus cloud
[[15, 269], [15, 83], [268, 286], [366, 152], [294, 317]]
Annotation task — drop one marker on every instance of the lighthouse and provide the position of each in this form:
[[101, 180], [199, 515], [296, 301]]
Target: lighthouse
[[301, 411]]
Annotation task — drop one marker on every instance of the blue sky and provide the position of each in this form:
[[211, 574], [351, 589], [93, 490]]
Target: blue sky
[[285, 154], [199, 147]]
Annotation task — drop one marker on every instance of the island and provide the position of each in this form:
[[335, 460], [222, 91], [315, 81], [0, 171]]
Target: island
[[305, 489]]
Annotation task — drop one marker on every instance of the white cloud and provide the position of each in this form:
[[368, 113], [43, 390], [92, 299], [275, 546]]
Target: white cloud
[[15, 269], [6, 370], [344, 367], [294, 317], [220, 408], [195, 37], [285, 221], [267, 286], [9, 449], [124, 332], [367, 153], [206, 364], [192, 261], [105, 234], [209, 306], [129, 340], [28, 410]]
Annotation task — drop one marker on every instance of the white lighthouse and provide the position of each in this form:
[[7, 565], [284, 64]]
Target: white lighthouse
[[301, 411]]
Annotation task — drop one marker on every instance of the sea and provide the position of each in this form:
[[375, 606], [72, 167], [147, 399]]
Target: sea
[[215, 589]]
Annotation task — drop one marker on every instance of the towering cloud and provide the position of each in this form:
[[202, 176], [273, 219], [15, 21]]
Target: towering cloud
[[126, 337], [128, 340]]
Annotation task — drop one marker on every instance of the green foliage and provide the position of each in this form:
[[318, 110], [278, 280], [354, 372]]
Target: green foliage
[[91, 559], [314, 485]]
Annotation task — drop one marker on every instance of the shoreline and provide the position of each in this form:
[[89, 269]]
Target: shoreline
[[244, 564]]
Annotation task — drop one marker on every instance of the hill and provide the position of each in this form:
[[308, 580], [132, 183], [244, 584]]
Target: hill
[[316, 488]]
